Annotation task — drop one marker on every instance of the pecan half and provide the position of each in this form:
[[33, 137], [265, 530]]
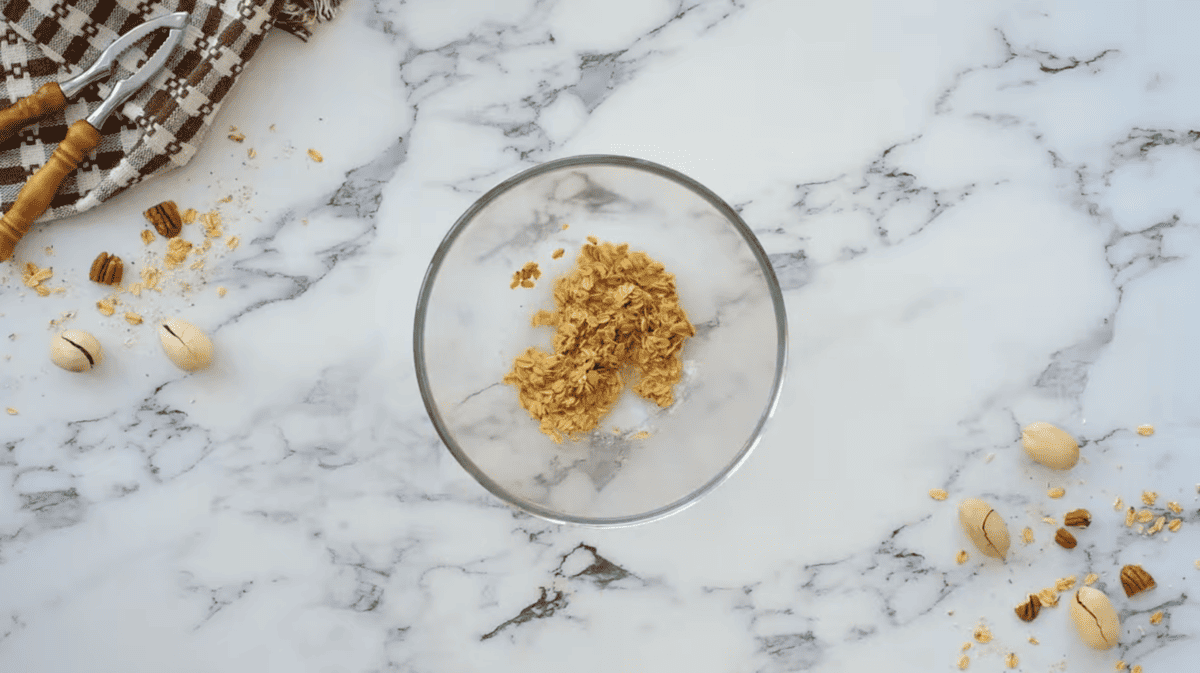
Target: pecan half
[[107, 269], [166, 219], [1136, 580], [1079, 518], [1028, 611], [1064, 538]]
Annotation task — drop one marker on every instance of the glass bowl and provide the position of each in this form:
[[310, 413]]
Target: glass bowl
[[643, 462]]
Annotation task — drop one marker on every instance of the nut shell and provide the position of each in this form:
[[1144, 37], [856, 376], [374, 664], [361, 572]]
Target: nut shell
[[1135, 580], [985, 527], [1050, 446], [1095, 618], [76, 351], [185, 345]]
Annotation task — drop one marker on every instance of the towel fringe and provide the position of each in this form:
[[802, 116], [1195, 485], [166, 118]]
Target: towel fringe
[[298, 16]]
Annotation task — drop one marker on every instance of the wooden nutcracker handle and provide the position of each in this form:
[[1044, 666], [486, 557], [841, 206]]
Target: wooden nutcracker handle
[[35, 196], [29, 109]]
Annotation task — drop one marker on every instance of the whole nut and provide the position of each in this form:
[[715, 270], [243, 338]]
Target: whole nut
[[1135, 579], [1095, 618], [107, 269], [1028, 611], [1078, 518], [1064, 538], [75, 351], [186, 345], [1050, 446], [985, 527], [166, 219]]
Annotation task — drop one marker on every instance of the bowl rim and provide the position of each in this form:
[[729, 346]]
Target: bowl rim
[[460, 225]]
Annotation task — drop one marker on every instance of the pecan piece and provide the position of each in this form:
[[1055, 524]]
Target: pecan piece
[[107, 269], [1079, 518], [1064, 538], [1028, 611], [1136, 580], [166, 219]]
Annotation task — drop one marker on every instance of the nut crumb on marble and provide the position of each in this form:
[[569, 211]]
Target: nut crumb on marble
[[133, 318], [966, 646], [1091, 579], [1011, 660], [1175, 525], [1027, 535], [107, 306], [235, 135], [190, 215], [1145, 516], [1145, 430], [1056, 493], [11, 411], [982, 634], [1148, 498], [1050, 520], [1175, 507], [1033, 641], [1137, 668], [1064, 584], [1120, 665], [250, 153], [1117, 503], [232, 242], [1158, 525], [1048, 597], [1130, 515], [221, 291], [962, 557], [1157, 617], [963, 662], [558, 253], [936, 493], [147, 236], [315, 155]]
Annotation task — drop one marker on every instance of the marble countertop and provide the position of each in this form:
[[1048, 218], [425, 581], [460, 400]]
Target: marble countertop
[[982, 215]]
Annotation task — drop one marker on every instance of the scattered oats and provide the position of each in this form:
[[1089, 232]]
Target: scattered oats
[[135, 289], [1056, 492], [33, 277], [177, 250], [525, 276], [1175, 525], [250, 153], [1090, 579], [963, 662], [189, 215], [1145, 430], [938, 494], [1048, 597], [1130, 514], [11, 411], [1156, 617], [315, 155], [557, 253], [1011, 660], [150, 277], [966, 646], [1117, 503], [221, 291], [982, 634], [1064, 584], [962, 557], [1121, 665], [1136, 669], [1148, 498], [1145, 516], [107, 305], [1050, 520], [567, 226], [233, 242], [235, 135], [1033, 641], [212, 224], [1027, 535], [1175, 507], [1158, 525], [133, 318], [203, 247], [198, 264], [147, 236]]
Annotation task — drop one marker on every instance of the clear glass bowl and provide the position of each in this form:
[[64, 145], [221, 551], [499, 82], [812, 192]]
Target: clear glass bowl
[[470, 326]]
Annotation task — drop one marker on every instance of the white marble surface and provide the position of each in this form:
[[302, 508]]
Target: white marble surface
[[983, 215]]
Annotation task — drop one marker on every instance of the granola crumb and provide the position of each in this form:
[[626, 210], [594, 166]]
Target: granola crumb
[[1145, 430], [177, 250], [1056, 493], [189, 215], [150, 277], [966, 646], [1136, 669], [250, 153], [1050, 520], [315, 155], [1175, 507], [1130, 515], [133, 318], [557, 253], [33, 277], [1064, 584], [221, 291], [1145, 516], [147, 237], [227, 199], [566, 226], [962, 557], [1117, 503], [1121, 665], [963, 662], [11, 411], [107, 306], [1175, 525], [1027, 535], [1033, 641], [1157, 617], [1011, 660], [233, 242], [1048, 597], [1158, 525], [135, 289], [235, 135], [641, 435], [1091, 579], [982, 634], [938, 494], [198, 264], [1148, 498], [525, 276], [212, 224]]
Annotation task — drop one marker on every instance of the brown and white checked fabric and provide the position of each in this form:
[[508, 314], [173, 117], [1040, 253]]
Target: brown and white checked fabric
[[162, 125]]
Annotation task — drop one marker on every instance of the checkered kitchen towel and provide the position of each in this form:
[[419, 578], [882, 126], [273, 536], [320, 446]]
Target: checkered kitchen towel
[[163, 124]]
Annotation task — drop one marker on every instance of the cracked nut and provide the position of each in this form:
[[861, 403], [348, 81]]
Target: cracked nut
[[107, 269], [75, 351], [166, 219], [1078, 518], [185, 345], [1050, 446], [1064, 539], [1028, 610], [1135, 579], [985, 527], [1095, 618]]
